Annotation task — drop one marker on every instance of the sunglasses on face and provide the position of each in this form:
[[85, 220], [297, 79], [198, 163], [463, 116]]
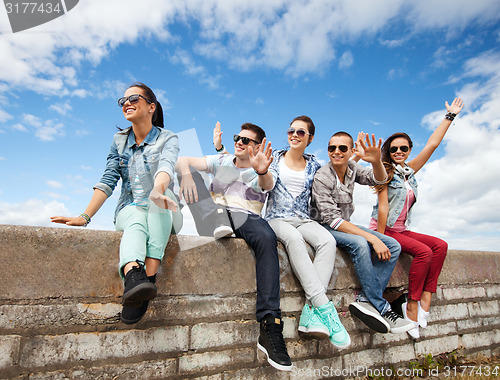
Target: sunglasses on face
[[244, 140], [404, 148], [132, 99], [300, 132], [342, 148]]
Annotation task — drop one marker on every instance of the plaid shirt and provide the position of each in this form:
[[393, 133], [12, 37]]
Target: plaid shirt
[[332, 200]]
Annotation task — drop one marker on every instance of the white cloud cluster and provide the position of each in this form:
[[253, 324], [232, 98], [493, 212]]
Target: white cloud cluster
[[295, 36], [46, 130], [33, 212]]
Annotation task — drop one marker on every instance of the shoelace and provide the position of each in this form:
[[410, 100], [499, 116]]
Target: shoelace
[[391, 315], [136, 273], [333, 320], [276, 336]]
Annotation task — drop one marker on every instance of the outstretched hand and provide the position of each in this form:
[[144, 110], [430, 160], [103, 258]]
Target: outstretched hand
[[77, 221], [456, 106], [368, 151], [261, 158], [217, 136], [162, 201]]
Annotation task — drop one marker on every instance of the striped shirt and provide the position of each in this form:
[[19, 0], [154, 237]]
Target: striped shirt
[[236, 188]]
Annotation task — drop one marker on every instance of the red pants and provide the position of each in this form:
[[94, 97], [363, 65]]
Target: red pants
[[428, 254]]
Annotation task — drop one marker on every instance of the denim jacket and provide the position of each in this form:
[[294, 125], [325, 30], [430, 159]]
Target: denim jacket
[[126, 160], [281, 203], [396, 194]]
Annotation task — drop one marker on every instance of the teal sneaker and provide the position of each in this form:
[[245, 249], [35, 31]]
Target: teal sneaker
[[311, 324], [338, 334]]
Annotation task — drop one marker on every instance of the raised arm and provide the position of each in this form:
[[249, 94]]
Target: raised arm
[[261, 159], [370, 152], [437, 136], [218, 139]]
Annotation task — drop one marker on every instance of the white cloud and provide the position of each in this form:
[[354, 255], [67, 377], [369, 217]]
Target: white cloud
[[33, 212], [2, 158], [193, 69], [346, 60], [55, 184], [4, 116], [44, 130], [297, 37], [19, 127], [50, 130], [61, 108]]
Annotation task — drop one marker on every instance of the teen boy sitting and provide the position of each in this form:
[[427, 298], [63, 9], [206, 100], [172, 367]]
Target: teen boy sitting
[[238, 192], [332, 199]]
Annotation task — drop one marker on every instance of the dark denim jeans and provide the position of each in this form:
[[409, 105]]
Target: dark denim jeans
[[258, 235]]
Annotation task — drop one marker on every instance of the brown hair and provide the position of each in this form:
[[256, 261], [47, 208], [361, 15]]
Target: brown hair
[[150, 96], [259, 132]]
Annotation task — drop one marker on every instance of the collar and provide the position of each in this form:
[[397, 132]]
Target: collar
[[281, 152], [149, 140]]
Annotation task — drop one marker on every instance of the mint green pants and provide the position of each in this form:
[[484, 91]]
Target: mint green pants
[[146, 231]]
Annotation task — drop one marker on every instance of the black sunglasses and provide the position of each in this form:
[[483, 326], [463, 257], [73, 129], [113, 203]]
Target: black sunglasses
[[300, 132], [342, 148], [244, 140], [404, 148], [132, 99]]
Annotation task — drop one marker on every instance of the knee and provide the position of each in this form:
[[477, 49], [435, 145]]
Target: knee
[[442, 247], [267, 236], [425, 255]]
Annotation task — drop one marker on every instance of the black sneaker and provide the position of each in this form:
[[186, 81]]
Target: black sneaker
[[131, 315], [398, 302], [271, 342], [370, 316], [222, 224], [137, 287]]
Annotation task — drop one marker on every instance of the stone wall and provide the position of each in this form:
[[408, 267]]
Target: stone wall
[[60, 303]]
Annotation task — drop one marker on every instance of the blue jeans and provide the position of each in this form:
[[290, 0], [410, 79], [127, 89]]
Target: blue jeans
[[373, 274]]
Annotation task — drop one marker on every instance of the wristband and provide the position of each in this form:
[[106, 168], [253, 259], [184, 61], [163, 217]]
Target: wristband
[[450, 116], [220, 150], [87, 219], [261, 173]]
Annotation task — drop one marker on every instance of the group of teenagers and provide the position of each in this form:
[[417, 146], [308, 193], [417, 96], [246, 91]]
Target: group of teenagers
[[305, 204]]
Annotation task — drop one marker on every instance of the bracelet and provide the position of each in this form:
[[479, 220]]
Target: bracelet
[[261, 173], [87, 219], [219, 150], [450, 116]]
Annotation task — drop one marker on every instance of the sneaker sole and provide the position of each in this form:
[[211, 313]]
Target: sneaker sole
[[138, 316], [375, 322], [272, 362], [222, 232], [315, 331], [344, 345], [138, 294]]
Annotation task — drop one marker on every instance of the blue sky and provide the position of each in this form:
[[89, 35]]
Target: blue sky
[[380, 67]]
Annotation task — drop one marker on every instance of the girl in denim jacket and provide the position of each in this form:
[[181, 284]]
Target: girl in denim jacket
[[392, 215], [288, 214], [143, 156]]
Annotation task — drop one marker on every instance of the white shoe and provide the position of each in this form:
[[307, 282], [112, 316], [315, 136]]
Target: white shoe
[[222, 231], [413, 332], [423, 316]]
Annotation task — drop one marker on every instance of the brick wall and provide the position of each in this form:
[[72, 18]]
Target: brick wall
[[60, 303]]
